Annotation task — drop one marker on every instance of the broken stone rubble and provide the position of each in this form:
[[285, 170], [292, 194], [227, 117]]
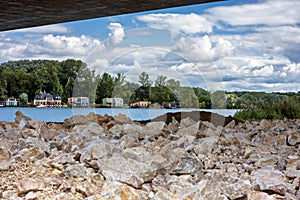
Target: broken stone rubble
[[102, 157]]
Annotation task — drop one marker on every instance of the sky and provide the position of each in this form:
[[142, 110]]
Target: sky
[[251, 45]]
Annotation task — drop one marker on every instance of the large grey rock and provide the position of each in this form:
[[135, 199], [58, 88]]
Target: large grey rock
[[116, 131], [29, 184], [151, 129], [190, 130], [20, 116], [179, 187], [115, 190], [89, 132], [132, 129], [128, 141], [186, 164], [185, 122], [269, 180], [293, 138], [257, 195], [41, 128], [234, 187], [80, 120], [133, 166], [267, 161], [100, 148], [230, 125], [5, 154], [122, 119], [265, 124], [76, 171], [205, 145], [29, 153]]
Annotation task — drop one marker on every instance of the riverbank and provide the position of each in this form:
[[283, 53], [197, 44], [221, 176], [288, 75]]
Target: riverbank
[[59, 114], [103, 157]]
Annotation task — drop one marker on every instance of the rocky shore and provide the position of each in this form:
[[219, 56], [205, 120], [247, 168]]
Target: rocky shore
[[97, 157]]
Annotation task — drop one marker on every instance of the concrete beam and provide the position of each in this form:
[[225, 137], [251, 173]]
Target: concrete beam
[[16, 14]]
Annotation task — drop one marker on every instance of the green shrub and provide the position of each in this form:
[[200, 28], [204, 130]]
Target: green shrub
[[279, 109]]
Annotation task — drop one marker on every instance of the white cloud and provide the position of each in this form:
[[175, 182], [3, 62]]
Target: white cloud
[[49, 46], [202, 49], [270, 13], [187, 23], [264, 71], [290, 68], [100, 65], [75, 46], [117, 32], [186, 68], [55, 28]]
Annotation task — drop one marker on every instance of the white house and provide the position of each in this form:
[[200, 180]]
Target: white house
[[112, 102], [11, 102], [79, 101]]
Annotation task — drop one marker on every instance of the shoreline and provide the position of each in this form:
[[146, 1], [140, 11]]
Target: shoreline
[[58, 115], [103, 157]]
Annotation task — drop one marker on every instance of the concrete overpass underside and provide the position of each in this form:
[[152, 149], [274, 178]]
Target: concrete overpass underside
[[16, 14]]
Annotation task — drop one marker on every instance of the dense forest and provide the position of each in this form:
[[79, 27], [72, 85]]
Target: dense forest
[[25, 79]]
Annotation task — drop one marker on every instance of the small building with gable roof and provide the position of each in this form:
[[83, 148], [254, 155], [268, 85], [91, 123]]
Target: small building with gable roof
[[47, 99]]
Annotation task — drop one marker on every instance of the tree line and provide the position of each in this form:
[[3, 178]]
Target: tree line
[[25, 79]]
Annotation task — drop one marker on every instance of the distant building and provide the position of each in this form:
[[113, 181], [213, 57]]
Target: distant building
[[78, 102], [11, 102], [47, 99], [112, 102], [57, 100], [140, 104], [172, 105]]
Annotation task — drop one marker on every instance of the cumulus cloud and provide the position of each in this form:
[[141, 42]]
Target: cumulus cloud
[[264, 71], [117, 32], [202, 49], [48, 46], [270, 13], [186, 68], [76, 45], [187, 23]]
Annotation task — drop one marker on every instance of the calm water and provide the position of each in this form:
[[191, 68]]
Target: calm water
[[59, 114]]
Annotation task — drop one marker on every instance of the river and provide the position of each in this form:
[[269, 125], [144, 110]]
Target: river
[[59, 114]]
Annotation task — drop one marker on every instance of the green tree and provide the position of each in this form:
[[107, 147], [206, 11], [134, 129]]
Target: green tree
[[188, 97], [173, 84], [204, 97], [47, 79], [23, 99], [105, 87], [68, 71], [161, 81], [3, 84], [143, 93], [144, 79], [218, 99], [162, 94], [85, 84]]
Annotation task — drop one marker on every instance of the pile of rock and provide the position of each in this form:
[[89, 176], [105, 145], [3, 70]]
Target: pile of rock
[[97, 157]]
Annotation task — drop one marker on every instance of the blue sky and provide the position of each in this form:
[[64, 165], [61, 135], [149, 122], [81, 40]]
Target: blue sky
[[230, 45]]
